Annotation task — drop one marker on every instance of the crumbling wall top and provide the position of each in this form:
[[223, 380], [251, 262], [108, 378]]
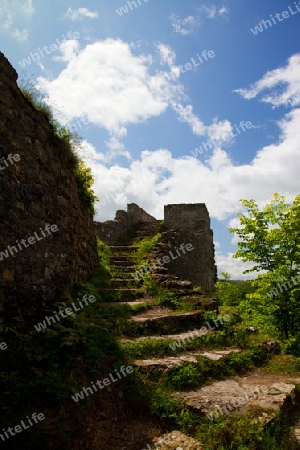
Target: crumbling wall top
[[186, 216]]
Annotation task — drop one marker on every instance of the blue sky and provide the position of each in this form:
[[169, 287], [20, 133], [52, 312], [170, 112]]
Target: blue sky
[[147, 87]]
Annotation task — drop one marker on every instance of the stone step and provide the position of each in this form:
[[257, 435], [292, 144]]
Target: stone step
[[118, 263], [125, 269], [125, 294], [186, 336], [267, 393], [122, 248], [176, 441], [169, 362], [127, 258], [165, 313], [121, 282], [142, 301], [126, 274], [158, 319]]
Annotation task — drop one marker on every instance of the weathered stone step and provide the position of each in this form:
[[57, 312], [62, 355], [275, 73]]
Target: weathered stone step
[[142, 301], [267, 393], [170, 362], [164, 313], [186, 336], [118, 263], [126, 268], [120, 282], [127, 258], [158, 319], [125, 294], [122, 248], [177, 441]]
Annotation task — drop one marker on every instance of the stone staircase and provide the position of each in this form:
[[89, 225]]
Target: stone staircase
[[123, 264], [182, 339]]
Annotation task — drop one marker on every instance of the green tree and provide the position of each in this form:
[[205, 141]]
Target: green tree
[[270, 238], [227, 293], [232, 293]]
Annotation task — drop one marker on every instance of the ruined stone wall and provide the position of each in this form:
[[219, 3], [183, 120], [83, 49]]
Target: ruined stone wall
[[136, 215], [112, 230], [37, 191], [190, 223]]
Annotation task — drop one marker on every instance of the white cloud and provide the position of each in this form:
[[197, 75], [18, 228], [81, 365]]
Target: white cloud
[[12, 13], [223, 10], [182, 26], [16, 8], [187, 25], [20, 35], [167, 55], [8, 21], [212, 11], [113, 88], [80, 13], [69, 49], [26, 6], [186, 114], [283, 85], [218, 130]]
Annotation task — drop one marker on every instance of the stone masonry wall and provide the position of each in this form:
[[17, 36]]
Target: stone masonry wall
[[190, 223], [37, 191], [111, 230]]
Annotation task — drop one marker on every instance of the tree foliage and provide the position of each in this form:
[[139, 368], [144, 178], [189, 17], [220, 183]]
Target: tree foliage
[[270, 238], [231, 293]]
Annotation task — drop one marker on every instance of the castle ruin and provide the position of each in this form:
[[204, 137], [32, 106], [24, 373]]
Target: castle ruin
[[183, 224]]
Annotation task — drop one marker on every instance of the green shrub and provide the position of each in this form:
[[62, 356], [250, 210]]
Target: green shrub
[[166, 407], [85, 181], [144, 246], [244, 433]]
